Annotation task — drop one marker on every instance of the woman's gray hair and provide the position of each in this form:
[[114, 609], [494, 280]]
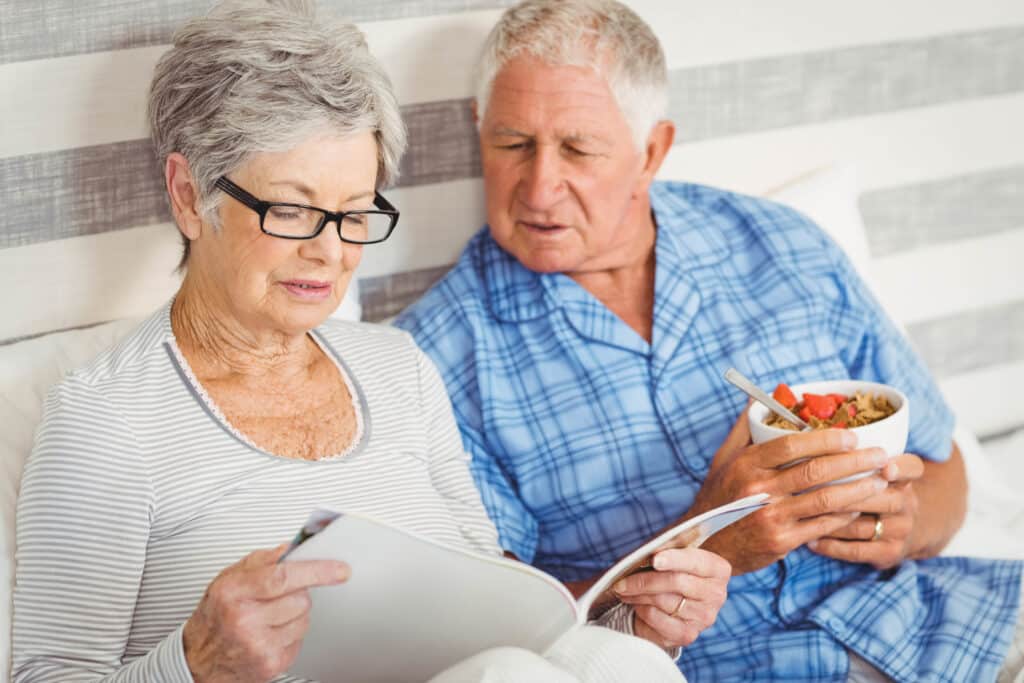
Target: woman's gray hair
[[601, 33], [258, 76]]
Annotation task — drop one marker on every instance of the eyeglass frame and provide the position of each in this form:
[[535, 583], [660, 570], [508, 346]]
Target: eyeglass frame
[[384, 207]]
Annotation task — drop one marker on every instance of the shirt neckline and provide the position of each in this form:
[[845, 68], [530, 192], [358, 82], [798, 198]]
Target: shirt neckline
[[195, 387]]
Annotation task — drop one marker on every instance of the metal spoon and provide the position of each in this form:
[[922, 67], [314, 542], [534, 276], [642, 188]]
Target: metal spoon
[[736, 378]]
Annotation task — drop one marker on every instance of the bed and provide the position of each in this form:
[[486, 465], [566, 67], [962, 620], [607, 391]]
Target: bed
[[896, 127]]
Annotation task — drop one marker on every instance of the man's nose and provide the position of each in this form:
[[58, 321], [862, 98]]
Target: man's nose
[[543, 182]]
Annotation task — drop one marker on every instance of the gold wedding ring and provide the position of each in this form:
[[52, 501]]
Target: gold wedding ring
[[878, 528], [679, 607]]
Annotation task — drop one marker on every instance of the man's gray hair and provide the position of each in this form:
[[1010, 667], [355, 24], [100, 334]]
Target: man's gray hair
[[258, 76], [604, 34]]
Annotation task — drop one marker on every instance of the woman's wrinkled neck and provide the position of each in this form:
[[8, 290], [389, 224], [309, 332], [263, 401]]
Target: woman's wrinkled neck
[[218, 346]]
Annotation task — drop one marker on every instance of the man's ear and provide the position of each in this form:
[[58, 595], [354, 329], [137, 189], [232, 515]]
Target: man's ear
[[181, 188], [659, 142], [476, 111]]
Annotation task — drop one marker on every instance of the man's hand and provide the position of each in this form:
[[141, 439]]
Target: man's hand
[[679, 599], [919, 512], [797, 516], [893, 512]]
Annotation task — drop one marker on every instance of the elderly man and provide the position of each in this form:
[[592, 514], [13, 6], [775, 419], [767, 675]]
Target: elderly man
[[583, 335]]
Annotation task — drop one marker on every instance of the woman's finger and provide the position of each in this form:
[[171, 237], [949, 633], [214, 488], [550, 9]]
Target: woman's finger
[[286, 608], [693, 561], [273, 581]]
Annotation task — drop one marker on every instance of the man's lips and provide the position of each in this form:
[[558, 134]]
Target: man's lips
[[543, 227]]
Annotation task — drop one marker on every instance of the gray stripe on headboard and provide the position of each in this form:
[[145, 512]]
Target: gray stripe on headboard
[[443, 143], [904, 218], [387, 295], [777, 92], [82, 191], [969, 341], [28, 28]]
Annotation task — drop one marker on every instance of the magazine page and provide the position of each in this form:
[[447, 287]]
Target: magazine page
[[414, 607], [691, 533]]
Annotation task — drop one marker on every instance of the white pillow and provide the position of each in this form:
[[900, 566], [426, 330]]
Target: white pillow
[[27, 371]]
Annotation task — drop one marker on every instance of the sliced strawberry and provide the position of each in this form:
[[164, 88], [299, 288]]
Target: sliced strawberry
[[805, 414], [822, 407], [851, 410], [784, 395], [839, 399], [839, 425]]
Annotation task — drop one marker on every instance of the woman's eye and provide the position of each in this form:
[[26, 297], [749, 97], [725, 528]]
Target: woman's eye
[[355, 219], [285, 213]]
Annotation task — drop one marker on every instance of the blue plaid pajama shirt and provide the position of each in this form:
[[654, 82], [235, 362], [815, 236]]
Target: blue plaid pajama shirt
[[586, 440]]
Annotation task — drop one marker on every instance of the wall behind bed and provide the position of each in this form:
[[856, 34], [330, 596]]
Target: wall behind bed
[[926, 97]]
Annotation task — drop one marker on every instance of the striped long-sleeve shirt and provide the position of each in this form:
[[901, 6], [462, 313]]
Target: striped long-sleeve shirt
[[138, 493]]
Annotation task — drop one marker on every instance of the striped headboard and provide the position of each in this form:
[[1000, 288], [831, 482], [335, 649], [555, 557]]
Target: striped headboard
[[926, 98]]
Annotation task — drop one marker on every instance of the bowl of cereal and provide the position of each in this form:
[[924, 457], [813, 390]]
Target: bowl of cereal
[[877, 413]]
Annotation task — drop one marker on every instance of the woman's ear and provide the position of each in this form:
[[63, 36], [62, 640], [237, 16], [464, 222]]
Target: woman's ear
[[181, 188]]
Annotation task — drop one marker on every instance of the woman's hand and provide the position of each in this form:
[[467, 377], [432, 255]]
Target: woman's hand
[[251, 621], [680, 598]]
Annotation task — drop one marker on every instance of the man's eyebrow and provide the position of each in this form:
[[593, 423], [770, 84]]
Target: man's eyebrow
[[505, 131]]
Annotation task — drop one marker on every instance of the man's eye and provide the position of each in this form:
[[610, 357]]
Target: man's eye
[[514, 145], [355, 219], [575, 151]]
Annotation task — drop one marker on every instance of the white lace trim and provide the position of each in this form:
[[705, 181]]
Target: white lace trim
[[216, 412]]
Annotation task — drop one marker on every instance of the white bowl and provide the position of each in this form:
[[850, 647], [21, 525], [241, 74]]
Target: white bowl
[[889, 434]]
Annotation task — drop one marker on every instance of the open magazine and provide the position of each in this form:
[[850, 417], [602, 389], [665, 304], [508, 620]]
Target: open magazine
[[414, 607]]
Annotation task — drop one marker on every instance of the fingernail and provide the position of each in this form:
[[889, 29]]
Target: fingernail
[[813, 545], [619, 587], [894, 471], [881, 458], [658, 562], [854, 515]]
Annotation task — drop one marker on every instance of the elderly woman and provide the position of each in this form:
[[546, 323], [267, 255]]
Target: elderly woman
[[162, 468]]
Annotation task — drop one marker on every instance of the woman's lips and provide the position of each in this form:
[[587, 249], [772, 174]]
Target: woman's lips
[[308, 290]]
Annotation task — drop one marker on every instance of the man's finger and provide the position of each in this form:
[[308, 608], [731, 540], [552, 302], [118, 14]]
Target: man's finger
[[848, 497], [827, 468], [860, 529], [808, 530], [786, 449], [905, 467], [876, 553]]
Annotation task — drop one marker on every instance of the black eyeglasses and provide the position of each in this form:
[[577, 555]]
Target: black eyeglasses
[[301, 222]]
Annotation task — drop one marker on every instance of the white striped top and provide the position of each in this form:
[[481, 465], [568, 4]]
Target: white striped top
[[137, 494]]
